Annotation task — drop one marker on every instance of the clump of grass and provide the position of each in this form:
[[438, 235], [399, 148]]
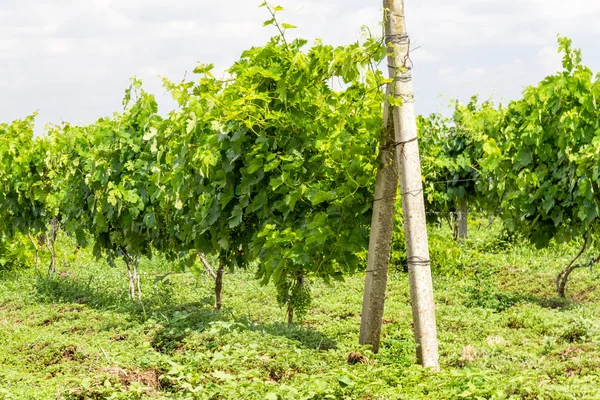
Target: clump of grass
[[576, 330]]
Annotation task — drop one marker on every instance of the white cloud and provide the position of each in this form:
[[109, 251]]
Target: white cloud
[[565, 10], [72, 59], [420, 55], [58, 47], [550, 59]]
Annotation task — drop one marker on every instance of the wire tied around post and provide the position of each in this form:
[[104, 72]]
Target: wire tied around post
[[396, 144], [401, 38], [417, 261]]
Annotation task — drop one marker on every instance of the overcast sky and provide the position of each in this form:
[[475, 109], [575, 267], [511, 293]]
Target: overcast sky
[[72, 59]]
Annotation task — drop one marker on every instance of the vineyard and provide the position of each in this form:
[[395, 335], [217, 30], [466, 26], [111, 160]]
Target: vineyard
[[220, 250]]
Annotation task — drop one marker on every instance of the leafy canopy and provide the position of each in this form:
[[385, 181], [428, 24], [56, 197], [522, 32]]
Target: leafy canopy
[[541, 155]]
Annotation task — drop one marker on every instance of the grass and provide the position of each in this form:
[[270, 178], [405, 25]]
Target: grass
[[503, 333]]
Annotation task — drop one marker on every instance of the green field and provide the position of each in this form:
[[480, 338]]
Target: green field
[[77, 335]]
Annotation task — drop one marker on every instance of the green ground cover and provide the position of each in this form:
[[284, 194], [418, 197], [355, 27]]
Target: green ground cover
[[502, 331]]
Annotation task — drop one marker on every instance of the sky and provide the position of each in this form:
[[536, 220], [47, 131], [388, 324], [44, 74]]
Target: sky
[[71, 60]]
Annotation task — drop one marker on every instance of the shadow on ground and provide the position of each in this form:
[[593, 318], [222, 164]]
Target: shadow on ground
[[176, 320]]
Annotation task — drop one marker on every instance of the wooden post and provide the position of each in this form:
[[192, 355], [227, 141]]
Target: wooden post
[[411, 186], [219, 284], [463, 233], [380, 241], [400, 139], [37, 251]]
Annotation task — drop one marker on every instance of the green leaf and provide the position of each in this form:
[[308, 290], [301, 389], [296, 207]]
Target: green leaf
[[344, 381], [150, 134], [255, 165], [236, 216], [191, 124], [223, 243], [321, 196], [203, 68], [276, 182], [178, 204], [150, 220], [548, 203]]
